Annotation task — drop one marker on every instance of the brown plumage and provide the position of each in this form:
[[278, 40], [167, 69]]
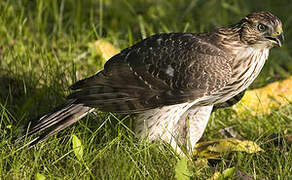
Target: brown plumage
[[166, 78]]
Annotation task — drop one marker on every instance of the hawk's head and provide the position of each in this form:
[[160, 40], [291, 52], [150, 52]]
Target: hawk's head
[[261, 29]]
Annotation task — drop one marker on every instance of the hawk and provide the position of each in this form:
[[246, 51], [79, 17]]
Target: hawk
[[172, 81]]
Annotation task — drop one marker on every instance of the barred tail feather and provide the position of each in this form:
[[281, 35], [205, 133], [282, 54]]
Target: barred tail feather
[[62, 117]]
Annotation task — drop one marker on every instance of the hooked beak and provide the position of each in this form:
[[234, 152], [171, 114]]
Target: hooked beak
[[277, 37], [280, 39]]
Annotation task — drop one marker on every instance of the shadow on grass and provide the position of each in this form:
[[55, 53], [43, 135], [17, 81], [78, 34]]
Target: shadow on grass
[[25, 102]]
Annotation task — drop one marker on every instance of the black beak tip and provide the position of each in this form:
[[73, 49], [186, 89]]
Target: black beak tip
[[280, 39]]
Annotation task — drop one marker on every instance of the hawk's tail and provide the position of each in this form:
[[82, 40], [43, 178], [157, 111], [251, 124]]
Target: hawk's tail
[[62, 117]]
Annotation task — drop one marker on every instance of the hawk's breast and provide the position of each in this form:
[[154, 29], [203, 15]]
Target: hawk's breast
[[246, 67]]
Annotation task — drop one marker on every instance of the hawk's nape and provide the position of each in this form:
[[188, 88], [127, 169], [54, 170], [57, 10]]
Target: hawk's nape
[[168, 78]]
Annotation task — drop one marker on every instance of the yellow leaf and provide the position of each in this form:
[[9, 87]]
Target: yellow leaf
[[263, 99], [105, 49], [215, 148]]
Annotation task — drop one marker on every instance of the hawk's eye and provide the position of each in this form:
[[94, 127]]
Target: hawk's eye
[[262, 27]]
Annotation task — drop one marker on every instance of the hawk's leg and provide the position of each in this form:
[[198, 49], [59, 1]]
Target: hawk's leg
[[163, 123], [195, 121]]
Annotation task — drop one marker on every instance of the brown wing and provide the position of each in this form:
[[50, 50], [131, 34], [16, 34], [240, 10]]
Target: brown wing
[[163, 69], [232, 101]]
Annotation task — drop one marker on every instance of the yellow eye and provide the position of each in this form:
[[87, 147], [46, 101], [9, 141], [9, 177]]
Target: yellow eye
[[262, 27]]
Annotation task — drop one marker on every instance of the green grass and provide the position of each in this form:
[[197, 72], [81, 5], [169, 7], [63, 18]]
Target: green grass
[[44, 49]]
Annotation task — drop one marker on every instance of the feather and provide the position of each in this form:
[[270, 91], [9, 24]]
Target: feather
[[60, 118]]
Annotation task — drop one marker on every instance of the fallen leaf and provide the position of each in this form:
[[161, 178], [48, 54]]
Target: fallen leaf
[[182, 171], [215, 148], [105, 49], [260, 101], [77, 147]]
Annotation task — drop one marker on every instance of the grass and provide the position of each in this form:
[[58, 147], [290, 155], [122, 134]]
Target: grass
[[44, 49]]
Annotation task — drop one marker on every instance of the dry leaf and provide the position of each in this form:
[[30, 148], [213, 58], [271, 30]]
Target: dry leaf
[[263, 99], [215, 148], [105, 49]]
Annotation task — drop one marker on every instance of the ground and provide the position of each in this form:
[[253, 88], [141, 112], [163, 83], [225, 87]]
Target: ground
[[44, 47]]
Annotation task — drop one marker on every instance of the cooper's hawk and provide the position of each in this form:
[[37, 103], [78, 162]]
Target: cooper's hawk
[[172, 81]]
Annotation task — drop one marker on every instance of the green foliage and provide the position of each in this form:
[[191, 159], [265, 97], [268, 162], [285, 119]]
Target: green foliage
[[44, 49], [182, 171], [39, 176], [228, 173], [77, 147]]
